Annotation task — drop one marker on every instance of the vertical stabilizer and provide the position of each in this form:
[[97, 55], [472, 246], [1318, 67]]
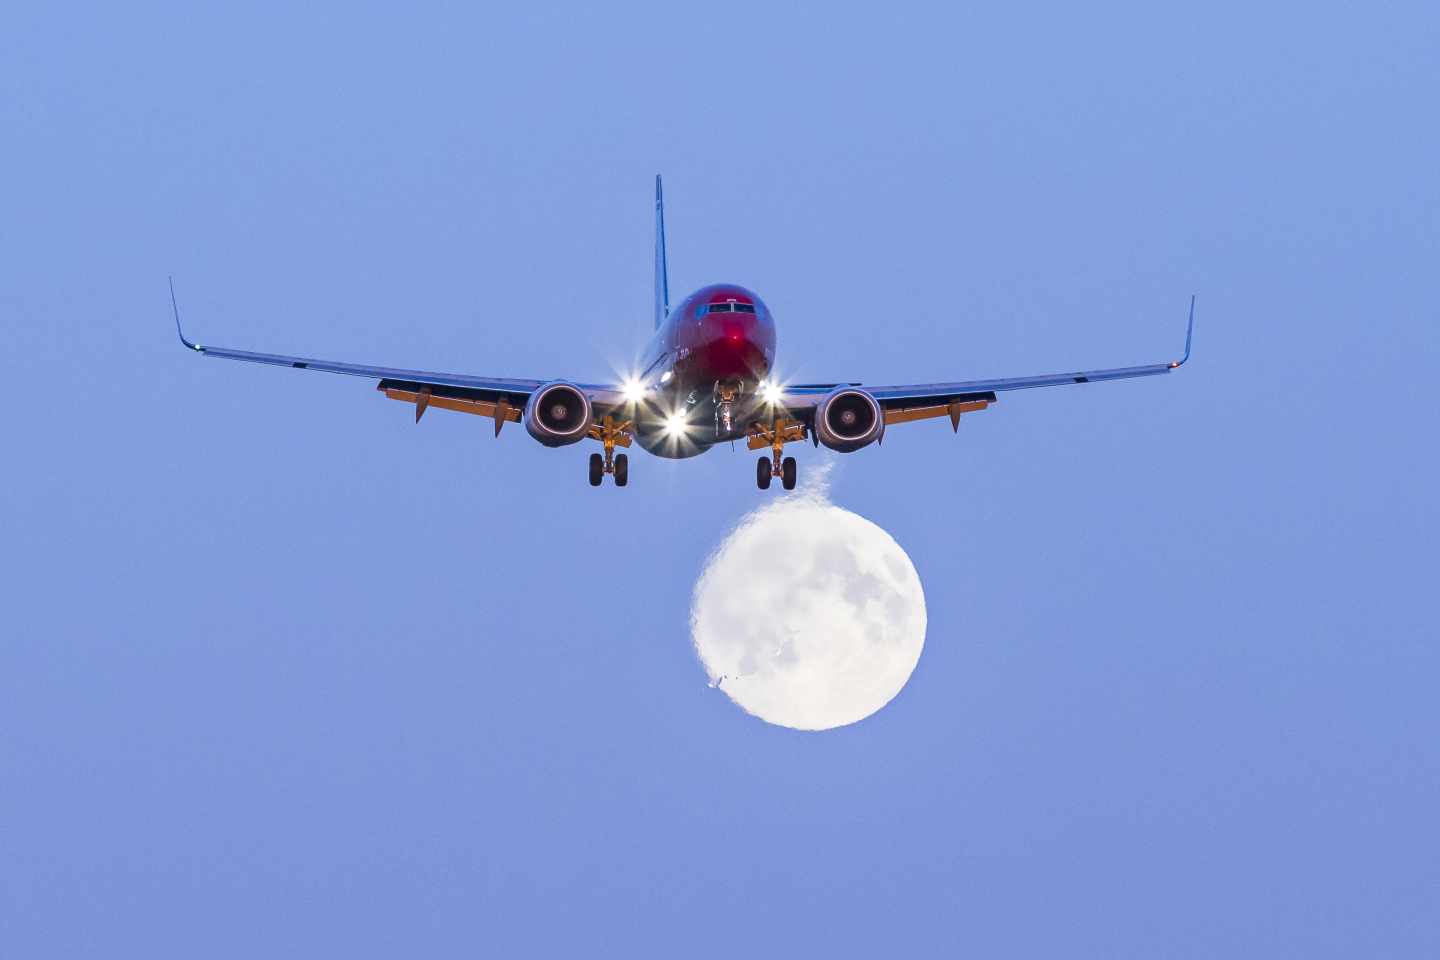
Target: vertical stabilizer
[[662, 273]]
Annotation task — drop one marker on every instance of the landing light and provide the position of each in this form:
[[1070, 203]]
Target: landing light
[[633, 391], [676, 424], [771, 393]]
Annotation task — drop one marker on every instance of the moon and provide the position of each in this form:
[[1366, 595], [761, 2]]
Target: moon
[[808, 615]]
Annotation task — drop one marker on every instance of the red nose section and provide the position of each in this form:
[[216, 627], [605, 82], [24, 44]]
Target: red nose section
[[723, 332], [729, 345]]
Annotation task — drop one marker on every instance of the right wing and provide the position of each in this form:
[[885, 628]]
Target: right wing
[[500, 397]]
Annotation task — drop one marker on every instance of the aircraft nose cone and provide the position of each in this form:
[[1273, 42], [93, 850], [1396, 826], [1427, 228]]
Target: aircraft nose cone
[[736, 328]]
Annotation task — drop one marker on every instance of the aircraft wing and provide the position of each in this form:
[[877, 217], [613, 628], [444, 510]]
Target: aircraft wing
[[500, 397], [919, 401]]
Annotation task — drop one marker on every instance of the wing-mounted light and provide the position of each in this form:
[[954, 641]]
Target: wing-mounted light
[[634, 391], [771, 393]]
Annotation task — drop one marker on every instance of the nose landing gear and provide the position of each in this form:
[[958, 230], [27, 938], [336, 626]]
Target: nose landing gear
[[724, 396]]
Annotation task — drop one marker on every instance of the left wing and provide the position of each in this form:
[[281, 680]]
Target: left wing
[[500, 397], [921, 401]]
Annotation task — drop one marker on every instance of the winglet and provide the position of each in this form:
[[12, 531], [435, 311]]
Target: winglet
[[1189, 332], [176, 308]]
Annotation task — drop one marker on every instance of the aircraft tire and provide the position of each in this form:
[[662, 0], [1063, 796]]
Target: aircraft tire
[[597, 469], [762, 473], [622, 469], [787, 473]]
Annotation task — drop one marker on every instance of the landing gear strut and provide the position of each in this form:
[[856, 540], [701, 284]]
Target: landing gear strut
[[609, 432], [724, 395], [773, 465]]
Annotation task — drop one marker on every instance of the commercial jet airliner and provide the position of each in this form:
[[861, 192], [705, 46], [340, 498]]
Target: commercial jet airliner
[[707, 377]]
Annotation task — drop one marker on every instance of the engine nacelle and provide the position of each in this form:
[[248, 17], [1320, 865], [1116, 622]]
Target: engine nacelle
[[848, 419], [558, 414]]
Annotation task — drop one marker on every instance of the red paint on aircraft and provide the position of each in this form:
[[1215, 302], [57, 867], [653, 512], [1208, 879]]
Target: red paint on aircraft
[[722, 345]]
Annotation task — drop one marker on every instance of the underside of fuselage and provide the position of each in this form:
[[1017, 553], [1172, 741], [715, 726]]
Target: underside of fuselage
[[704, 424]]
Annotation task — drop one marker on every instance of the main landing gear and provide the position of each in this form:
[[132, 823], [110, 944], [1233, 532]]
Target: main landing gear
[[616, 464], [765, 468], [619, 468], [773, 465]]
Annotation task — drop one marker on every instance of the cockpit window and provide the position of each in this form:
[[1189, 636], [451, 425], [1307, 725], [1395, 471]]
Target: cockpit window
[[730, 307]]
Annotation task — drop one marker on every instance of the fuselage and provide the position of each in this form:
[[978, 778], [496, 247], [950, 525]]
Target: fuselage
[[703, 369]]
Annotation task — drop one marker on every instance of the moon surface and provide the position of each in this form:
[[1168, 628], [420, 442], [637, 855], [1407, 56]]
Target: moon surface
[[807, 615]]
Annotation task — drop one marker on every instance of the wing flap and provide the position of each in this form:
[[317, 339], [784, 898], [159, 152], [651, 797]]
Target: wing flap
[[952, 410], [425, 397]]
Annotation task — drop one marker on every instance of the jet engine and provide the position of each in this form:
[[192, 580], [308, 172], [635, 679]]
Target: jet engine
[[848, 419], [558, 414]]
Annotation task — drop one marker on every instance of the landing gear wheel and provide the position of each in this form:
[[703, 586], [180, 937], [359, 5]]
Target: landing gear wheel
[[787, 473], [597, 469], [622, 469], [762, 473]]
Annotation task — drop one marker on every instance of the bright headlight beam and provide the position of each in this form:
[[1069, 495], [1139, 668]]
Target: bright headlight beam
[[675, 424], [772, 393], [633, 391]]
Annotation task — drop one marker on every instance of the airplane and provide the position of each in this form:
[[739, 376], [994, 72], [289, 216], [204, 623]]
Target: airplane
[[706, 377]]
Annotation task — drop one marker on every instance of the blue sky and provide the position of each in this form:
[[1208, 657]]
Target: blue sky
[[282, 672]]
